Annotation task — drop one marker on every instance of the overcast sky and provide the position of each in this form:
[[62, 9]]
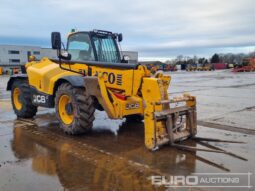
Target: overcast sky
[[155, 28]]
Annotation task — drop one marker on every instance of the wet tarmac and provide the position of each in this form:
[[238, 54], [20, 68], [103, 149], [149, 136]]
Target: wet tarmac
[[36, 155]]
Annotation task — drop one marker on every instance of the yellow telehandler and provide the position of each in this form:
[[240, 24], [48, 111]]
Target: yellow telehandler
[[92, 74]]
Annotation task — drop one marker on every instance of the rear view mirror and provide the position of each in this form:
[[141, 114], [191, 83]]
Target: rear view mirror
[[120, 37], [65, 55], [125, 59], [56, 40]]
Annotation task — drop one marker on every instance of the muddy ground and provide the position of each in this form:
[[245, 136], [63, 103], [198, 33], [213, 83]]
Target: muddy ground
[[36, 155]]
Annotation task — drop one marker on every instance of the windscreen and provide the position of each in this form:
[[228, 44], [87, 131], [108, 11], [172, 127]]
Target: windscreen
[[79, 46], [106, 48]]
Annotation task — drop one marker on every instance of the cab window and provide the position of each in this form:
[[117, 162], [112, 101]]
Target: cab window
[[106, 48], [79, 46]]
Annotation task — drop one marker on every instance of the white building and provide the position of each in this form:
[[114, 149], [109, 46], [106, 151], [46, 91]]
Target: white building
[[133, 56], [16, 55], [13, 56]]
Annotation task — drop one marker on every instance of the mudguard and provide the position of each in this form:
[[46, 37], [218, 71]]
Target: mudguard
[[14, 77], [75, 81]]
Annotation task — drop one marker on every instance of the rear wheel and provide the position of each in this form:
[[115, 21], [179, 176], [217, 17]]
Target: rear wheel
[[74, 109], [21, 99], [135, 118]]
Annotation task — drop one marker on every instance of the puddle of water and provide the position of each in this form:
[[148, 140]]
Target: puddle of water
[[111, 157], [77, 164], [103, 161]]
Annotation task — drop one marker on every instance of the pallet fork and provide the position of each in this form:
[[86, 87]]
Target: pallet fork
[[164, 123], [167, 123]]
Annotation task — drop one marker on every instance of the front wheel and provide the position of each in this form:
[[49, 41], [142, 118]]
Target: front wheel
[[135, 118], [74, 109]]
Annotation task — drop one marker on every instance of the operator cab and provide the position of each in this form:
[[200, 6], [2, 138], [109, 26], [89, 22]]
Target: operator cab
[[94, 46]]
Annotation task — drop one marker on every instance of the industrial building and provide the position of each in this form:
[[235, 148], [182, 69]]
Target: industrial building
[[133, 56], [13, 56], [17, 55]]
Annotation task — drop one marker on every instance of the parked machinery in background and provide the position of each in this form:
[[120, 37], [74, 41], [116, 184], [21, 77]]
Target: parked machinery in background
[[206, 67], [248, 65], [200, 67], [14, 70], [191, 67], [169, 67]]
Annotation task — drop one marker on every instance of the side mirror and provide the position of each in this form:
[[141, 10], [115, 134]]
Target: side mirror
[[56, 40], [120, 37], [65, 55], [125, 59]]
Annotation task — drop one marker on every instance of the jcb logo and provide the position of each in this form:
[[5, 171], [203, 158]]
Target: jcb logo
[[132, 106], [39, 99]]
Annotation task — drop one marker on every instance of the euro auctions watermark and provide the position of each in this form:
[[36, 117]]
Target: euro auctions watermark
[[206, 180]]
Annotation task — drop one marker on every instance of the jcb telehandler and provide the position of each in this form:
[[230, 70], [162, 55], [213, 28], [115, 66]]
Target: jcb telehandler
[[92, 74]]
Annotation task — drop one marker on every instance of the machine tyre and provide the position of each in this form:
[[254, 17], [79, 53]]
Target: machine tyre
[[21, 99], [74, 109], [135, 118]]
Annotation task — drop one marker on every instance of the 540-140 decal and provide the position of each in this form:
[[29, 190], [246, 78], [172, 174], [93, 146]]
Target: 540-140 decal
[[111, 77]]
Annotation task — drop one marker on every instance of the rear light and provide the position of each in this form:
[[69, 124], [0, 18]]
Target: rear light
[[120, 96]]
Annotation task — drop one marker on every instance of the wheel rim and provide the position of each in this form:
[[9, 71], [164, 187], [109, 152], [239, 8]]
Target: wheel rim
[[16, 98], [66, 115]]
